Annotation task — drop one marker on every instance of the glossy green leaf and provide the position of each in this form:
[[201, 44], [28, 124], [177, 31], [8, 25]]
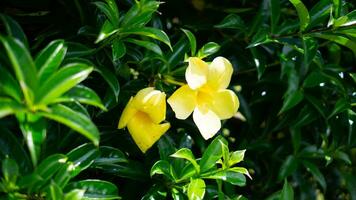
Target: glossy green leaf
[[156, 192], [236, 157], [232, 21], [177, 55], [146, 44], [49, 59], [83, 95], [292, 100], [196, 189], [192, 41], [110, 79], [82, 157], [313, 169], [337, 5], [212, 154], [96, 189], [34, 130], [346, 20], [10, 170], [54, 192], [106, 31], [287, 191], [74, 120], [303, 14], [13, 29], [139, 14], [109, 8], [187, 154], [259, 60], [23, 66], [75, 194], [118, 49], [50, 166], [288, 167], [310, 47], [149, 32], [9, 86], [62, 81], [110, 155], [319, 12], [163, 167], [261, 37], [315, 79], [8, 107], [338, 39], [235, 177], [208, 49]]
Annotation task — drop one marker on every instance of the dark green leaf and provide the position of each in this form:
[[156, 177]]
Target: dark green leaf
[[9, 86], [338, 39], [139, 14], [106, 31], [96, 189], [196, 189], [62, 81], [192, 41], [118, 49], [82, 157], [149, 32], [10, 170], [291, 100], [230, 176], [110, 10], [74, 120], [313, 169], [340, 106], [110, 155], [110, 79], [146, 44], [9, 106], [54, 192], [187, 154], [288, 167], [287, 191], [163, 167], [212, 154], [14, 29], [275, 8], [48, 60], [208, 49], [232, 21]]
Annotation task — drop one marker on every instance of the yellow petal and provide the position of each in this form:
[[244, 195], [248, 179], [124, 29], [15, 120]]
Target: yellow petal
[[144, 131], [152, 102], [196, 73], [127, 114], [207, 122], [225, 104], [220, 72], [183, 102]]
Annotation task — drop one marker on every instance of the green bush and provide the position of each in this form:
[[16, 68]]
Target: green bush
[[71, 70]]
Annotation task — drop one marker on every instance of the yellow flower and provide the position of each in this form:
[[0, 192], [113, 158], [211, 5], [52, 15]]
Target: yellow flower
[[206, 95], [143, 115]]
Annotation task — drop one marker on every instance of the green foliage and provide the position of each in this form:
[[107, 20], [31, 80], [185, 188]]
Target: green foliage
[[69, 67]]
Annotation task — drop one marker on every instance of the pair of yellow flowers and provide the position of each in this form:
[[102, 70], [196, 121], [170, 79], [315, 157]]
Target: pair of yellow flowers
[[205, 95]]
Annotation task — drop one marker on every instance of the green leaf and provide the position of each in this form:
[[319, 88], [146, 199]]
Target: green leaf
[[310, 47], [259, 61], [14, 29], [212, 154], [337, 5], [261, 37], [319, 13], [187, 154], [156, 192], [139, 14], [288, 167], [346, 20], [96, 189], [340, 106], [10, 170], [148, 32], [232, 21], [337, 39], [287, 191], [62, 81], [275, 7], [54, 192], [110, 155], [146, 44], [208, 49], [49, 59], [303, 14], [23, 66], [33, 128], [233, 176], [192, 41], [110, 79], [313, 169], [74, 120], [236, 157], [106, 31], [110, 10], [291, 100], [315, 78], [196, 189], [82, 157], [82, 94], [177, 55], [163, 167], [74, 195], [118, 49], [9, 106], [9, 86]]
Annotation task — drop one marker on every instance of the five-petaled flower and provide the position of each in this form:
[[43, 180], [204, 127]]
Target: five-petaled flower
[[143, 115], [206, 95]]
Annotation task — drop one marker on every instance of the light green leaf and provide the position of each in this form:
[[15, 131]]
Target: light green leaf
[[196, 189], [82, 94], [49, 59], [23, 66], [346, 20], [208, 49], [338, 39], [163, 167], [50, 166], [106, 31], [74, 120], [287, 191], [233, 176], [192, 41], [139, 14], [110, 10], [54, 192], [149, 32], [187, 154], [96, 189], [212, 154], [236, 157], [146, 44], [303, 14], [10, 170], [9, 106], [9, 86], [62, 81], [74, 195]]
